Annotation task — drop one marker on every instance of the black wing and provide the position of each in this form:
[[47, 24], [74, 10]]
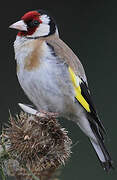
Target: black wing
[[93, 114]]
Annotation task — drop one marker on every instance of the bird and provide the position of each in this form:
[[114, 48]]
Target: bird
[[53, 78]]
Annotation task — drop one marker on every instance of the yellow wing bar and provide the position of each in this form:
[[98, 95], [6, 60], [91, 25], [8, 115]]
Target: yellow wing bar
[[76, 84]]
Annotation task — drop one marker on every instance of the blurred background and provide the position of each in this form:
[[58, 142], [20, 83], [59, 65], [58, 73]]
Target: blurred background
[[89, 27]]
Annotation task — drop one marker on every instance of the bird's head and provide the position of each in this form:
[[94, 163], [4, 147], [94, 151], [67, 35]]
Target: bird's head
[[35, 24]]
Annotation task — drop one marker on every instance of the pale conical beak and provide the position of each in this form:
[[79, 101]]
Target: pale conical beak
[[20, 25]]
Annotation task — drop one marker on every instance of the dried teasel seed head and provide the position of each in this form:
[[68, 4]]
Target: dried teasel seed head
[[38, 142]]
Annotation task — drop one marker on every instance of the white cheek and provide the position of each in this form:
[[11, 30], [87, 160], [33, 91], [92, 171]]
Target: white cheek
[[42, 30]]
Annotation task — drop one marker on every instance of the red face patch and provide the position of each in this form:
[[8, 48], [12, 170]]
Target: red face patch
[[30, 17]]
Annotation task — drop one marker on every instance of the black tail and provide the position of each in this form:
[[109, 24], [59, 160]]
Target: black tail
[[103, 155], [101, 151]]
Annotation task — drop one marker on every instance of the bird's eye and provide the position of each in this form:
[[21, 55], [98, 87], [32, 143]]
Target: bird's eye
[[33, 23]]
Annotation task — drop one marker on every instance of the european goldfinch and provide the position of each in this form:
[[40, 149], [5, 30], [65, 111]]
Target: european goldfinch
[[54, 79]]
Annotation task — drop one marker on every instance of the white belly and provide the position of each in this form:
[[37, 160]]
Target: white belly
[[49, 87]]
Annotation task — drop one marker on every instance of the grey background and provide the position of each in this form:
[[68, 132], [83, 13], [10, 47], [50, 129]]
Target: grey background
[[89, 27]]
